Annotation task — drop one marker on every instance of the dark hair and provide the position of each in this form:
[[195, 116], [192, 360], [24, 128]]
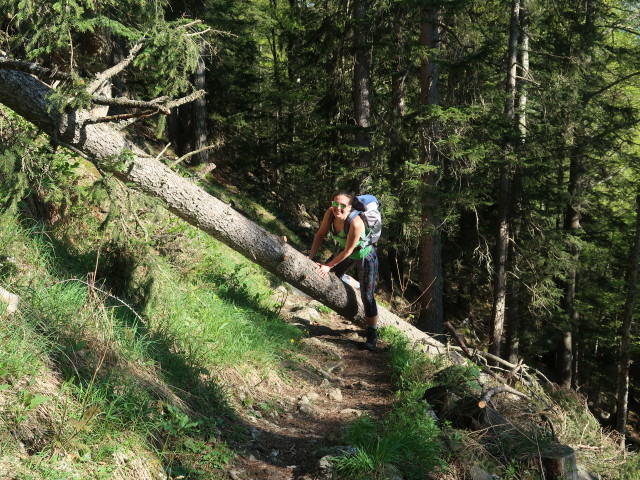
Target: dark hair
[[346, 194]]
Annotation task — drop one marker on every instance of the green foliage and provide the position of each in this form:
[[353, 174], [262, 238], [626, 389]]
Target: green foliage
[[72, 33], [108, 343], [405, 442], [412, 369]]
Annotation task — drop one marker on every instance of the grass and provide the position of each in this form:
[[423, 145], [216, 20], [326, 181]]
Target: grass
[[406, 442], [135, 342], [134, 325]]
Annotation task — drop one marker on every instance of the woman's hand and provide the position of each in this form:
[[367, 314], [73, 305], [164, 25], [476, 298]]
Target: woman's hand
[[323, 270]]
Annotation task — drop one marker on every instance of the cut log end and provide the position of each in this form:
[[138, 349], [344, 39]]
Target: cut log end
[[559, 462]]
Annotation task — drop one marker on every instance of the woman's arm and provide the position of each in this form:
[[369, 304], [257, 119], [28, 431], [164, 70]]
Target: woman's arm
[[321, 233], [356, 229]]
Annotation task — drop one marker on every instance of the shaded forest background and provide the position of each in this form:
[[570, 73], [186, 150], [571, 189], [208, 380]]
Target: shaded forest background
[[501, 138]]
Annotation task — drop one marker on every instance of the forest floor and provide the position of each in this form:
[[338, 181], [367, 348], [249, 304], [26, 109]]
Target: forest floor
[[340, 381]]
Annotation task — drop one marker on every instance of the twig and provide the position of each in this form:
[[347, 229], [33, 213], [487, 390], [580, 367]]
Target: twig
[[130, 118], [190, 154], [163, 150], [190, 24], [74, 150], [104, 293]]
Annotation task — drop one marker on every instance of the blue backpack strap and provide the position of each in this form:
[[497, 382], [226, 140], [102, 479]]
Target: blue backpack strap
[[347, 223]]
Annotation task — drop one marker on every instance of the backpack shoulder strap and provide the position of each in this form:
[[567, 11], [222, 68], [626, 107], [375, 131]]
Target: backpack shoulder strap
[[347, 223]]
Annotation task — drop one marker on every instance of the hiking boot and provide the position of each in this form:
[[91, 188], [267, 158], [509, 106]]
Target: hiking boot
[[372, 338]]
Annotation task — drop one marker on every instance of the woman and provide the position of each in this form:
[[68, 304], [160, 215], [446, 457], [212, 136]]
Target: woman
[[354, 248]]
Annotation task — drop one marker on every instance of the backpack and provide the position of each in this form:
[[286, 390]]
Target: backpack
[[368, 208]]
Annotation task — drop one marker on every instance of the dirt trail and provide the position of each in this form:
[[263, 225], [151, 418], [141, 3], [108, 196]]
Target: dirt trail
[[339, 382]]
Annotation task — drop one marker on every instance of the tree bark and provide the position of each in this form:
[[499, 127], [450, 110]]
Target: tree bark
[[200, 115], [625, 337], [431, 313], [362, 86], [512, 333], [571, 226], [111, 151], [504, 194]]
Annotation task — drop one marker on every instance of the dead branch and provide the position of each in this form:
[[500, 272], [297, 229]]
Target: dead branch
[[459, 340], [113, 71], [93, 287], [190, 24], [34, 69], [195, 34], [163, 150], [190, 154], [124, 116], [486, 398], [154, 107], [187, 99], [11, 299], [127, 102]]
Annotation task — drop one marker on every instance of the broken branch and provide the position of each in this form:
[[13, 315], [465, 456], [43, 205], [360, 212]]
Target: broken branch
[[184, 100], [127, 102], [190, 154], [113, 71]]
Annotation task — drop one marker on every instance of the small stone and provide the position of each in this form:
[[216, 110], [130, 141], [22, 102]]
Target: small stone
[[350, 412], [335, 395], [310, 410]]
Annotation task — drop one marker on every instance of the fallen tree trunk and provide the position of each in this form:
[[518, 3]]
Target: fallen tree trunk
[[111, 151]]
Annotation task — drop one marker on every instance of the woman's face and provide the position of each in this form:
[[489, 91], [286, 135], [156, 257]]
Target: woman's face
[[341, 207]]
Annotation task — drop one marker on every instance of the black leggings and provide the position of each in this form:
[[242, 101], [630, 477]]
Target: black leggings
[[367, 270]]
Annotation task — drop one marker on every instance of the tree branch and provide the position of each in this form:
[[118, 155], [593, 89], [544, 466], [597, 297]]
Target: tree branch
[[113, 71], [124, 116], [190, 154], [153, 106], [189, 98], [127, 102], [590, 95], [34, 69]]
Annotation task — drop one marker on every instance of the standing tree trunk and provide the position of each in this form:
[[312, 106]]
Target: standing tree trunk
[[200, 115], [625, 337], [513, 305], [399, 149], [571, 226], [431, 315], [568, 361], [504, 194], [362, 89]]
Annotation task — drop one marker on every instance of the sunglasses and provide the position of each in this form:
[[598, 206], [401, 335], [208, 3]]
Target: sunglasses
[[339, 205]]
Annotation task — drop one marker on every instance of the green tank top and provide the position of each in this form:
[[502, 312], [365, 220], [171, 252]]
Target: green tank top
[[358, 252]]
